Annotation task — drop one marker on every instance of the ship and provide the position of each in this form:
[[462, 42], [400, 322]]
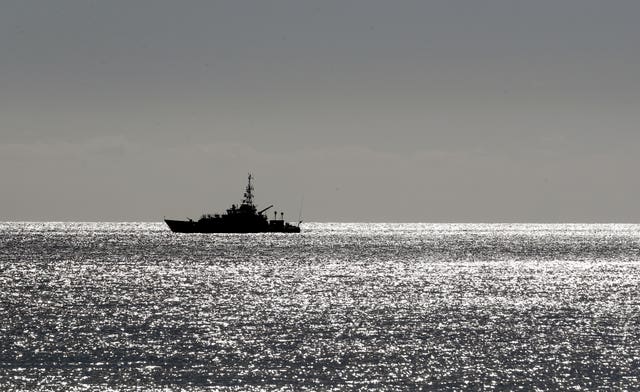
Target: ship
[[243, 218]]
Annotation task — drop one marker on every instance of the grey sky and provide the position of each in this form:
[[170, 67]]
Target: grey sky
[[373, 110]]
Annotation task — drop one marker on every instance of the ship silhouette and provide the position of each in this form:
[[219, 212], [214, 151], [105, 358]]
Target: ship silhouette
[[244, 218]]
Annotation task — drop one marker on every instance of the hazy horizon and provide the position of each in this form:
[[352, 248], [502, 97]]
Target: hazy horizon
[[439, 111]]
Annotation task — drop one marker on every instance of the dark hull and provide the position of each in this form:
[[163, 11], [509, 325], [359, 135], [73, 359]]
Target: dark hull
[[227, 227]]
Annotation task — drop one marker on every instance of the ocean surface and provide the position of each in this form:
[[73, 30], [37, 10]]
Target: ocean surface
[[132, 306]]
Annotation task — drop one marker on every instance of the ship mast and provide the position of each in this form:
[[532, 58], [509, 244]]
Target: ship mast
[[248, 193]]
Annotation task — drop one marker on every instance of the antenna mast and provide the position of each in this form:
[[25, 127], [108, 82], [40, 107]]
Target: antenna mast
[[248, 193]]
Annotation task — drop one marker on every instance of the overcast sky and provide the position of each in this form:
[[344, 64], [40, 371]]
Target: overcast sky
[[428, 111]]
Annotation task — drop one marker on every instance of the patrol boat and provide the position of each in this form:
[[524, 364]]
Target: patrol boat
[[239, 219]]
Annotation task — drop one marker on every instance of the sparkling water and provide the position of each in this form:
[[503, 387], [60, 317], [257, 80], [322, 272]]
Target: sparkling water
[[132, 306]]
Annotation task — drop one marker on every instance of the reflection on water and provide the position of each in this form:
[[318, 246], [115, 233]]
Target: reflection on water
[[362, 306]]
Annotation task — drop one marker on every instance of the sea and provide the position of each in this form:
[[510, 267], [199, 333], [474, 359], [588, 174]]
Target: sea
[[341, 306]]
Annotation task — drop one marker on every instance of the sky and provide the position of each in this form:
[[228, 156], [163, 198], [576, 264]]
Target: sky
[[358, 110]]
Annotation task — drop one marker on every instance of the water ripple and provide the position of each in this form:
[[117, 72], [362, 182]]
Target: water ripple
[[117, 306]]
